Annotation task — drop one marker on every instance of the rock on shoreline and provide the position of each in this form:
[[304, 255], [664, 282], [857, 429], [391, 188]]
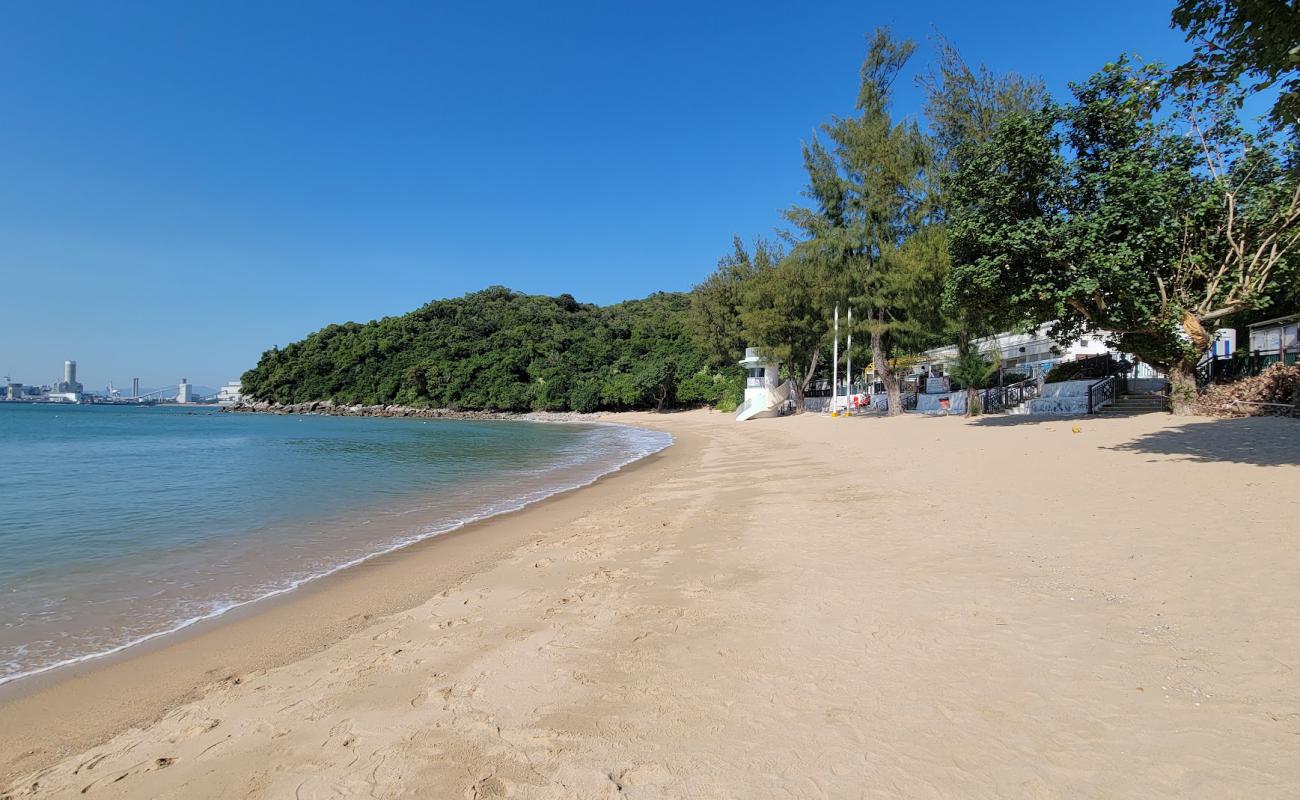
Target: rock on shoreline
[[330, 409]]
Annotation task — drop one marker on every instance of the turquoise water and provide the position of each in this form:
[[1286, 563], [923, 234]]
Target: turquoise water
[[120, 524]]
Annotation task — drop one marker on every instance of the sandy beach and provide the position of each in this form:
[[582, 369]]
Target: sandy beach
[[802, 607]]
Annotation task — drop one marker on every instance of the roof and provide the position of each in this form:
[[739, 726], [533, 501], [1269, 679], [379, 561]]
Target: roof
[[1269, 322]]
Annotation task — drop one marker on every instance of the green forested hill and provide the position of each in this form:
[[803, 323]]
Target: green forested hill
[[502, 350]]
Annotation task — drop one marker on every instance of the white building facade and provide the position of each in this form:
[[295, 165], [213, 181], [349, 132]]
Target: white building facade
[[1032, 353]]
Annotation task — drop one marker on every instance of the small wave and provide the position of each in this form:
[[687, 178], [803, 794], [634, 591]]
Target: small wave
[[644, 443]]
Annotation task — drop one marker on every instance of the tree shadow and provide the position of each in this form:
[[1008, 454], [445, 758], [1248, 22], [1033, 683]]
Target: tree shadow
[[1264, 441], [1008, 420]]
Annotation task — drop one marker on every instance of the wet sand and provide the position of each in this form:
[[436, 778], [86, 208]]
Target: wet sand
[[807, 607]]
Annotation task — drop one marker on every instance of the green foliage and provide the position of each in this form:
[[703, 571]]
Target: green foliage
[[502, 350], [713, 388], [1107, 214], [870, 236], [784, 313], [971, 368], [1237, 39], [717, 303], [1065, 371], [727, 404], [965, 105]]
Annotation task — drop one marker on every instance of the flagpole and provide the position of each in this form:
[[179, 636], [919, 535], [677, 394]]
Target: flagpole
[[835, 361], [848, 368]]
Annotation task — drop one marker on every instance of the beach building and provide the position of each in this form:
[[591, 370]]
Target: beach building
[[1276, 339], [1030, 354], [1025, 360], [765, 395], [230, 394]]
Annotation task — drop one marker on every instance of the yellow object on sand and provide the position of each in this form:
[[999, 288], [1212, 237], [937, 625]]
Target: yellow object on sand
[[1076, 429]]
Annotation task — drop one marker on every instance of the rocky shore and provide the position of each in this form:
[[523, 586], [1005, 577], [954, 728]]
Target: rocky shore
[[330, 409]]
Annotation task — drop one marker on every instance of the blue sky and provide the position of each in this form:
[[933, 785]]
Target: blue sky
[[183, 185]]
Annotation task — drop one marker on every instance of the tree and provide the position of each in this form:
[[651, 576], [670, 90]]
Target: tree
[[1110, 214], [870, 228], [717, 303], [972, 370], [784, 314], [964, 106], [1238, 39], [502, 350]]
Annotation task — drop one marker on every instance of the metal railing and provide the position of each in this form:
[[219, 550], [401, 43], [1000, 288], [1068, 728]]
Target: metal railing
[[1001, 398], [1102, 393]]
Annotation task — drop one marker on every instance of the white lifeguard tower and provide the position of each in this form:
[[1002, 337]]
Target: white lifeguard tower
[[765, 395]]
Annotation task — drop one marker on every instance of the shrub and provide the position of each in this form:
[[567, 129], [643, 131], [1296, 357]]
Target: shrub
[[1065, 371]]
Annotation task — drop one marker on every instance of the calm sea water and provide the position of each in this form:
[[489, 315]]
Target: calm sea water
[[120, 524]]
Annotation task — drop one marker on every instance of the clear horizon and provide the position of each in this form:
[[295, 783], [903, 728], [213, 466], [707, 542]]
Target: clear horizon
[[187, 187]]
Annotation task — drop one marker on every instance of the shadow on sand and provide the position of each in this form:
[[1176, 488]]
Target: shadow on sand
[[1007, 420], [1265, 441]]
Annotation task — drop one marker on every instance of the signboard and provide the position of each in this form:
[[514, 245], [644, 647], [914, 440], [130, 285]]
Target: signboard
[[938, 385]]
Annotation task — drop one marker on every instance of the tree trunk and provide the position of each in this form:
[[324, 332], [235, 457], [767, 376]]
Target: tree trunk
[[1182, 387], [887, 376], [1182, 375], [1196, 333], [972, 401], [800, 387]]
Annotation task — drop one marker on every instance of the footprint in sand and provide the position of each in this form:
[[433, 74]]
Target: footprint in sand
[[642, 775], [198, 729]]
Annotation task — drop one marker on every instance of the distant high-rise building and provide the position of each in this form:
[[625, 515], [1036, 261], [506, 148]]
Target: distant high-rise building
[[69, 383], [135, 387], [185, 392]]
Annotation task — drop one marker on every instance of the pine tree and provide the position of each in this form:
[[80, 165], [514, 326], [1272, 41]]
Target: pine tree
[[872, 229]]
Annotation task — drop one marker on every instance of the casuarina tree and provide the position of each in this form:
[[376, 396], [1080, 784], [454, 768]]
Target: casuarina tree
[[870, 224]]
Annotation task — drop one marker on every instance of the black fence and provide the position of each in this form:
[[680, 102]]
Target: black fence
[[999, 398], [1240, 365]]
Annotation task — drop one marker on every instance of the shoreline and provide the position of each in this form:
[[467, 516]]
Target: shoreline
[[328, 408], [1072, 608], [63, 688], [216, 615]]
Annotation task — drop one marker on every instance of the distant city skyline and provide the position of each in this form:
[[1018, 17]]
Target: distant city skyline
[[68, 381], [188, 185]]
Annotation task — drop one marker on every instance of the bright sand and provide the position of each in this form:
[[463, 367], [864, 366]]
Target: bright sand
[[806, 607]]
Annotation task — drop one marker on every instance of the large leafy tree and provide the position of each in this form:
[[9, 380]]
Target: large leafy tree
[[1256, 41], [964, 106], [1130, 210]]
